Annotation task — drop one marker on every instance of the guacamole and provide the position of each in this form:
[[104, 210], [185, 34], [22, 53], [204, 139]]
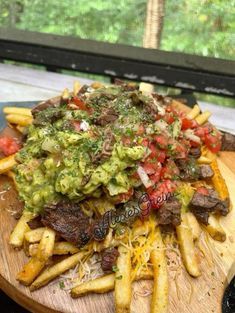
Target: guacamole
[[82, 147]]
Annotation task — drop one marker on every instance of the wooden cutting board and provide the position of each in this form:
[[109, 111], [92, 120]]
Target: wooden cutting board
[[187, 295]]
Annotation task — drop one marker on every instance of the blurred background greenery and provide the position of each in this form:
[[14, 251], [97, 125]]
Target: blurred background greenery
[[202, 27]]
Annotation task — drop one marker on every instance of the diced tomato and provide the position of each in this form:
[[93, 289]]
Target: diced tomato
[[188, 123], [77, 126], [145, 142], [162, 141], [155, 177], [170, 170], [149, 167], [161, 193], [203, 190], [161, 156], [169, 118], [9, 145], [194, 144], [80, 104], [180, 150], [153, 149], [213, 141]]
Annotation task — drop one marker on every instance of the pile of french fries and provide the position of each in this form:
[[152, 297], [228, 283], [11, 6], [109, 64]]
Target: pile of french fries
[[41, 244]]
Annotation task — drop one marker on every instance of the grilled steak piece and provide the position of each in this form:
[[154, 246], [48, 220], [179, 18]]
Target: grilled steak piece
[[206, 171], [69, 222], [228, 142], [35, 222], [107, 115], [189, 170], [201, 205], [109, 259], [195, 153], [106, 148], [169, 212], [54, 102]]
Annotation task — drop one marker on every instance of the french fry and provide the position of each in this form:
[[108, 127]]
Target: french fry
[[142, 229], [194, 225], [35, 265], [21, 120], [97, 85], [34, 235], [103, 284], [203, 118], [185, 238], [65, 94], [30, 271], [146, 88], [17, 110], [60, 248], [20, 128], [159, 301], [6, 164], [76, 87], [214, 229], [56, 270], [46, 245], [194, 112], [17, 235], [64, 247], [203, 160], [219, 182], [122, 290]]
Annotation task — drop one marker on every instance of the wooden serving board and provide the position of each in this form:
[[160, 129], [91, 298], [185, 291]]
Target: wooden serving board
[[187, 295]]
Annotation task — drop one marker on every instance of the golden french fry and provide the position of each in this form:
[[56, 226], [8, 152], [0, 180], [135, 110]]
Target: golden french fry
[[194, 225], [60, 248], [17, 235], [203, 118], [219, 182], [21, 120], [65, 94], [20, 128], [185, 238], [76, 87], [56, 270], [17, 110], [64, 247], [30, 271], [194, 112], [32, 248], [146, 88], [159, 303], [46, 245], [97, 85], [12, 176], [34, 266], [6, 164], [104, 284], [141, 230], [34, 235], [214, 229], [122, 291], [203, 160]]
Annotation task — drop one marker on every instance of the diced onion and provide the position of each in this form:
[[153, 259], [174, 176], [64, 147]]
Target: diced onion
[[162, 125], [144, 177], [84, 125], [191, 136]]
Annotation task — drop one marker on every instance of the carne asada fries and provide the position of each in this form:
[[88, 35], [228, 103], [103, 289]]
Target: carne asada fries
[[104, 172]]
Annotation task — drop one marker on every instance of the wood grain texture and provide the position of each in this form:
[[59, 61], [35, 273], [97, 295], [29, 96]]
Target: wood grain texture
[[187, 295]]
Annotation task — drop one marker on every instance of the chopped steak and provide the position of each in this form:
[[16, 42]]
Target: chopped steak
[[169, 212], [54, 102], [69, 222], [35, 222], [201, 205], [107, 115], [106, 148], [195, 152], [189, 170], [228, 142], [108, 259], [206, 171]]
